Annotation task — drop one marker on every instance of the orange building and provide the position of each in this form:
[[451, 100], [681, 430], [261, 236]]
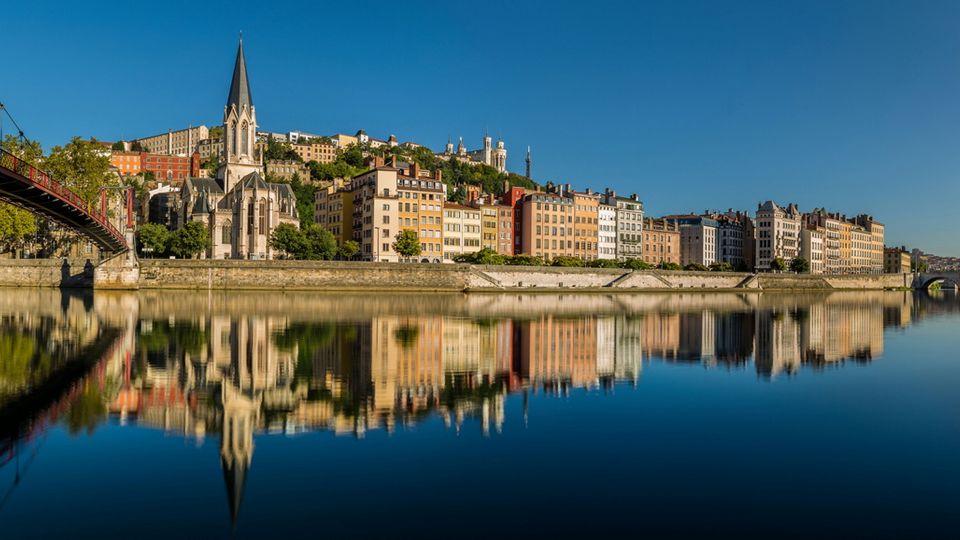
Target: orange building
[[547, 229], [586, 207], [421, 196]]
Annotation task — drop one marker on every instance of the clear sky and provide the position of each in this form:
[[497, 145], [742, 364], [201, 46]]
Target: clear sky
[[693, 105]]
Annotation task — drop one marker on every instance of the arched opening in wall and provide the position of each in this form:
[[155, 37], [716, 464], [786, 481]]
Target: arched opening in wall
[[940, 284]]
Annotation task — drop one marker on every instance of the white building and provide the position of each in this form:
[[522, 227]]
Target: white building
[[461, 230], [607, 232], [813, 248], [698, 239], [778, 234]]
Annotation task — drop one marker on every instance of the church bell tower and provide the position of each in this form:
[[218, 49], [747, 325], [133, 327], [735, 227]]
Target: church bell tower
[[239, 128]]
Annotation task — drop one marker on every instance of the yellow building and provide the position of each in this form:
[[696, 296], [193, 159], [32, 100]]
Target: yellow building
[[421, 196]]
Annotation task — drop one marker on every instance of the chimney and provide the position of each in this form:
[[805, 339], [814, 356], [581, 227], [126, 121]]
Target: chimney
[[567, 189], [634, 197], [589, 191], [414, 170]]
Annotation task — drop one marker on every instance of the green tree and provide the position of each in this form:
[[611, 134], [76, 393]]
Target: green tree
[[604, 263], [695, 267], [117, 146], [280, 150], [524, 260], [154, 239], [635, 264], [778, 265], [348, 250], [484, 256], [320, 243], [190, 240], [563, 260], [290, 240], [665, 265], [306, 195], [719, 266], [215, 132], [799, 265], [407, 243], [81, 166]]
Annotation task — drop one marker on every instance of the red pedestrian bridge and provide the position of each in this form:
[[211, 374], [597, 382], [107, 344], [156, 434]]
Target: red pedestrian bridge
[[28, 187]]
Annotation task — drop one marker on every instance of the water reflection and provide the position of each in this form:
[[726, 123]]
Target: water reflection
[[232, 366]]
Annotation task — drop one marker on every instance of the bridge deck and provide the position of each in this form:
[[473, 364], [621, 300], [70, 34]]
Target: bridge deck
[[30, 188]]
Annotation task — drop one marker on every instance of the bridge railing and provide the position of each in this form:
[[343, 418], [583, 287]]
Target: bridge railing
[[47, 183]]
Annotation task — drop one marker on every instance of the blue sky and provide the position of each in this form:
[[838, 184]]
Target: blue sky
[[691, 104]]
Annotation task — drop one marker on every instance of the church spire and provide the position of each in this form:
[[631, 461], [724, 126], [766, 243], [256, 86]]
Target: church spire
[[240, 87]]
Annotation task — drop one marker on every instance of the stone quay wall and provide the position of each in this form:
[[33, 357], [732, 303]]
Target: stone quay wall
[[215, 274]]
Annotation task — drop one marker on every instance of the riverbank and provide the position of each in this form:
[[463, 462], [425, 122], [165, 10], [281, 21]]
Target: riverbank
[[211, 274]]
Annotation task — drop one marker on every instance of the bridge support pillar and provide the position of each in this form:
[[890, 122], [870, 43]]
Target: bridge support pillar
[[122, 271]]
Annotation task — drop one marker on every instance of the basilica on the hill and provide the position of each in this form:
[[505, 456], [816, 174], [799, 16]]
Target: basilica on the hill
[[239, 207]]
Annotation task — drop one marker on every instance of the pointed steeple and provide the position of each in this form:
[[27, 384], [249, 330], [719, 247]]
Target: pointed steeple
[[240, 86]]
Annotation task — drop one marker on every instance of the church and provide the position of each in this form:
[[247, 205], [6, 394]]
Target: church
[[239, 208]]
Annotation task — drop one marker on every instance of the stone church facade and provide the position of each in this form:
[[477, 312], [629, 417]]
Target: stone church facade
[[239, 207]]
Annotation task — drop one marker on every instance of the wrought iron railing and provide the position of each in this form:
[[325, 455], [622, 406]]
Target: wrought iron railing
[[45, 182]]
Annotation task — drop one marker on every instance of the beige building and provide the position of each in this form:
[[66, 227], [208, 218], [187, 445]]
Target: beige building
[[375, 213], [661, 241], [896, 260], [461, 230], [333, 210], [778, 234], [321, 152], [182, 142], [874, 262], [833, 230], [422, 196], [285, 170]]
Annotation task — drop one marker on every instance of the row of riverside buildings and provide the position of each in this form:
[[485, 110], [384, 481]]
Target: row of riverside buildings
[[241, 208], [373, 207]]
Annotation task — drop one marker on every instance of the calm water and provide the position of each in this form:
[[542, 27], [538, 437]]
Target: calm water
[[254, 415]]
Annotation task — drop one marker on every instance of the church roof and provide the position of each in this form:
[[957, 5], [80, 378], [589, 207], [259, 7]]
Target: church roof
[[208, 185], [240, 87], [202, 206], [253, 181]]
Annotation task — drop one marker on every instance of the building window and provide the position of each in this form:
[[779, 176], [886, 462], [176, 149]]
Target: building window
[[226, 233]]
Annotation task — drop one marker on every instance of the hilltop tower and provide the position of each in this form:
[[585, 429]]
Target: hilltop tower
[[529, 161]]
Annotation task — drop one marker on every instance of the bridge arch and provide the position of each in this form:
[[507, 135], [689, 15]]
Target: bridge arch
[[952, 279]]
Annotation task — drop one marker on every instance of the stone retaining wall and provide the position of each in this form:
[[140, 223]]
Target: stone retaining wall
[[46, 273], [120, 273]]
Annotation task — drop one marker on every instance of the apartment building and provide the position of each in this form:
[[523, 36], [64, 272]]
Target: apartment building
[[698, 239], [585, 224], [607, 231], [778, 233], [421, 198], [375, 207], [735, 239], [833, 229], [461, 230], [280, 169], [661, 241], [813, 248], [629, 224], [875, 263], [333, 209], [896, 260], [547, 229], [321, 152], [182, 142]]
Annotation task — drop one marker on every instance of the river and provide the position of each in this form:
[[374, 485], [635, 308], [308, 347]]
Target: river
[[250, 415]]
